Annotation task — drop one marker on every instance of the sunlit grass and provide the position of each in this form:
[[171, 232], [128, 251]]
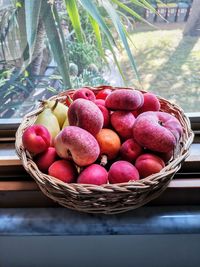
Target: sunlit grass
[[168, 64]]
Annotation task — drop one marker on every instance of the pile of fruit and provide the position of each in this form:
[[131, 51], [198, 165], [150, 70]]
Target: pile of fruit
[[111, 136]]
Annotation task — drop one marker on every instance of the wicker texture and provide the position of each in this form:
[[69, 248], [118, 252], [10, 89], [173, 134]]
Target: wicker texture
[[108, 198]]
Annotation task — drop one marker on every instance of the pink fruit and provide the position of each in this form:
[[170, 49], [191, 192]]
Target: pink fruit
[[45, 159], [122, 122], [106, 115], [99, 102], [85, 114], [36, 139], [130, 150], [151, 103], [84, 93], [77, 144], [122, 99], [94, 174], [63, 170], [121, 172], [157, 131], [148, 164]]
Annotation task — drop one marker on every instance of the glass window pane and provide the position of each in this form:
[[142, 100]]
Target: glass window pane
[[168, 60]]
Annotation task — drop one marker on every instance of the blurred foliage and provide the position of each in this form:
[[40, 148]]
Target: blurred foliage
[[83, 54]]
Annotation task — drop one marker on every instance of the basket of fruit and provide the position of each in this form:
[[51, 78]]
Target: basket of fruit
[[104, 149]]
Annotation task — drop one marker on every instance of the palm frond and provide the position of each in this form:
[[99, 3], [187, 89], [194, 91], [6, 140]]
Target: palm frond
[[97, 33], [119, 28], [73, 13], [32, 13], [55, 42]]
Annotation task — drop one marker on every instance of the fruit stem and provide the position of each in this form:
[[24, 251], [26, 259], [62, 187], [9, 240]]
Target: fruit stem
[[69, 99], [104, 160], [55, 105]]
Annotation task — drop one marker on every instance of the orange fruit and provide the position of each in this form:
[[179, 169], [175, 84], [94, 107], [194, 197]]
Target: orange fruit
[[109, 143]]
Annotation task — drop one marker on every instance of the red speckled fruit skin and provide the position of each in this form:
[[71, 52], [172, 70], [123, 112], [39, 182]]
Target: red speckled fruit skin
[[151, 103], [122, 122], [84, 93], [85, 114], [76, 143], [157, 131], [93, 174], [124, 100], [36, 138], [148, 164], [122, 171], [63, 170], [130, 150]]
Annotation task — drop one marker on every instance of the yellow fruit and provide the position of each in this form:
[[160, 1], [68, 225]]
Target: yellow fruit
[[66, 123], [49, 120], [58, 109]]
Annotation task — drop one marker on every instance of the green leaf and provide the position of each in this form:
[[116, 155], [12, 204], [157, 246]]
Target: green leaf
[[75, 19], [97, 33], [21, 25], [62, 38], [95, 14], [32, 13], [138, 3], [118, 26], [58, 24], [55, 42], [148, 5], [132, 12], [18, 4]]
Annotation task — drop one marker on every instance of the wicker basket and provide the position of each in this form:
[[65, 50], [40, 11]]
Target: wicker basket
[[108, 198]]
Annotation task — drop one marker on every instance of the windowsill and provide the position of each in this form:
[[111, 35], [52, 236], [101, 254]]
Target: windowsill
[[26, 211]]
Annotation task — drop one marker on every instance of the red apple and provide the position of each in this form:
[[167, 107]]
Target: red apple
[[121, 172], [36, 139], [122, 122], [148, 164], [103, 93], [130, 150], [106, 115], [45, 159], [84, 93], [157, 131], [99, 102], [63, 170], [94, 174], [151, 103]]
